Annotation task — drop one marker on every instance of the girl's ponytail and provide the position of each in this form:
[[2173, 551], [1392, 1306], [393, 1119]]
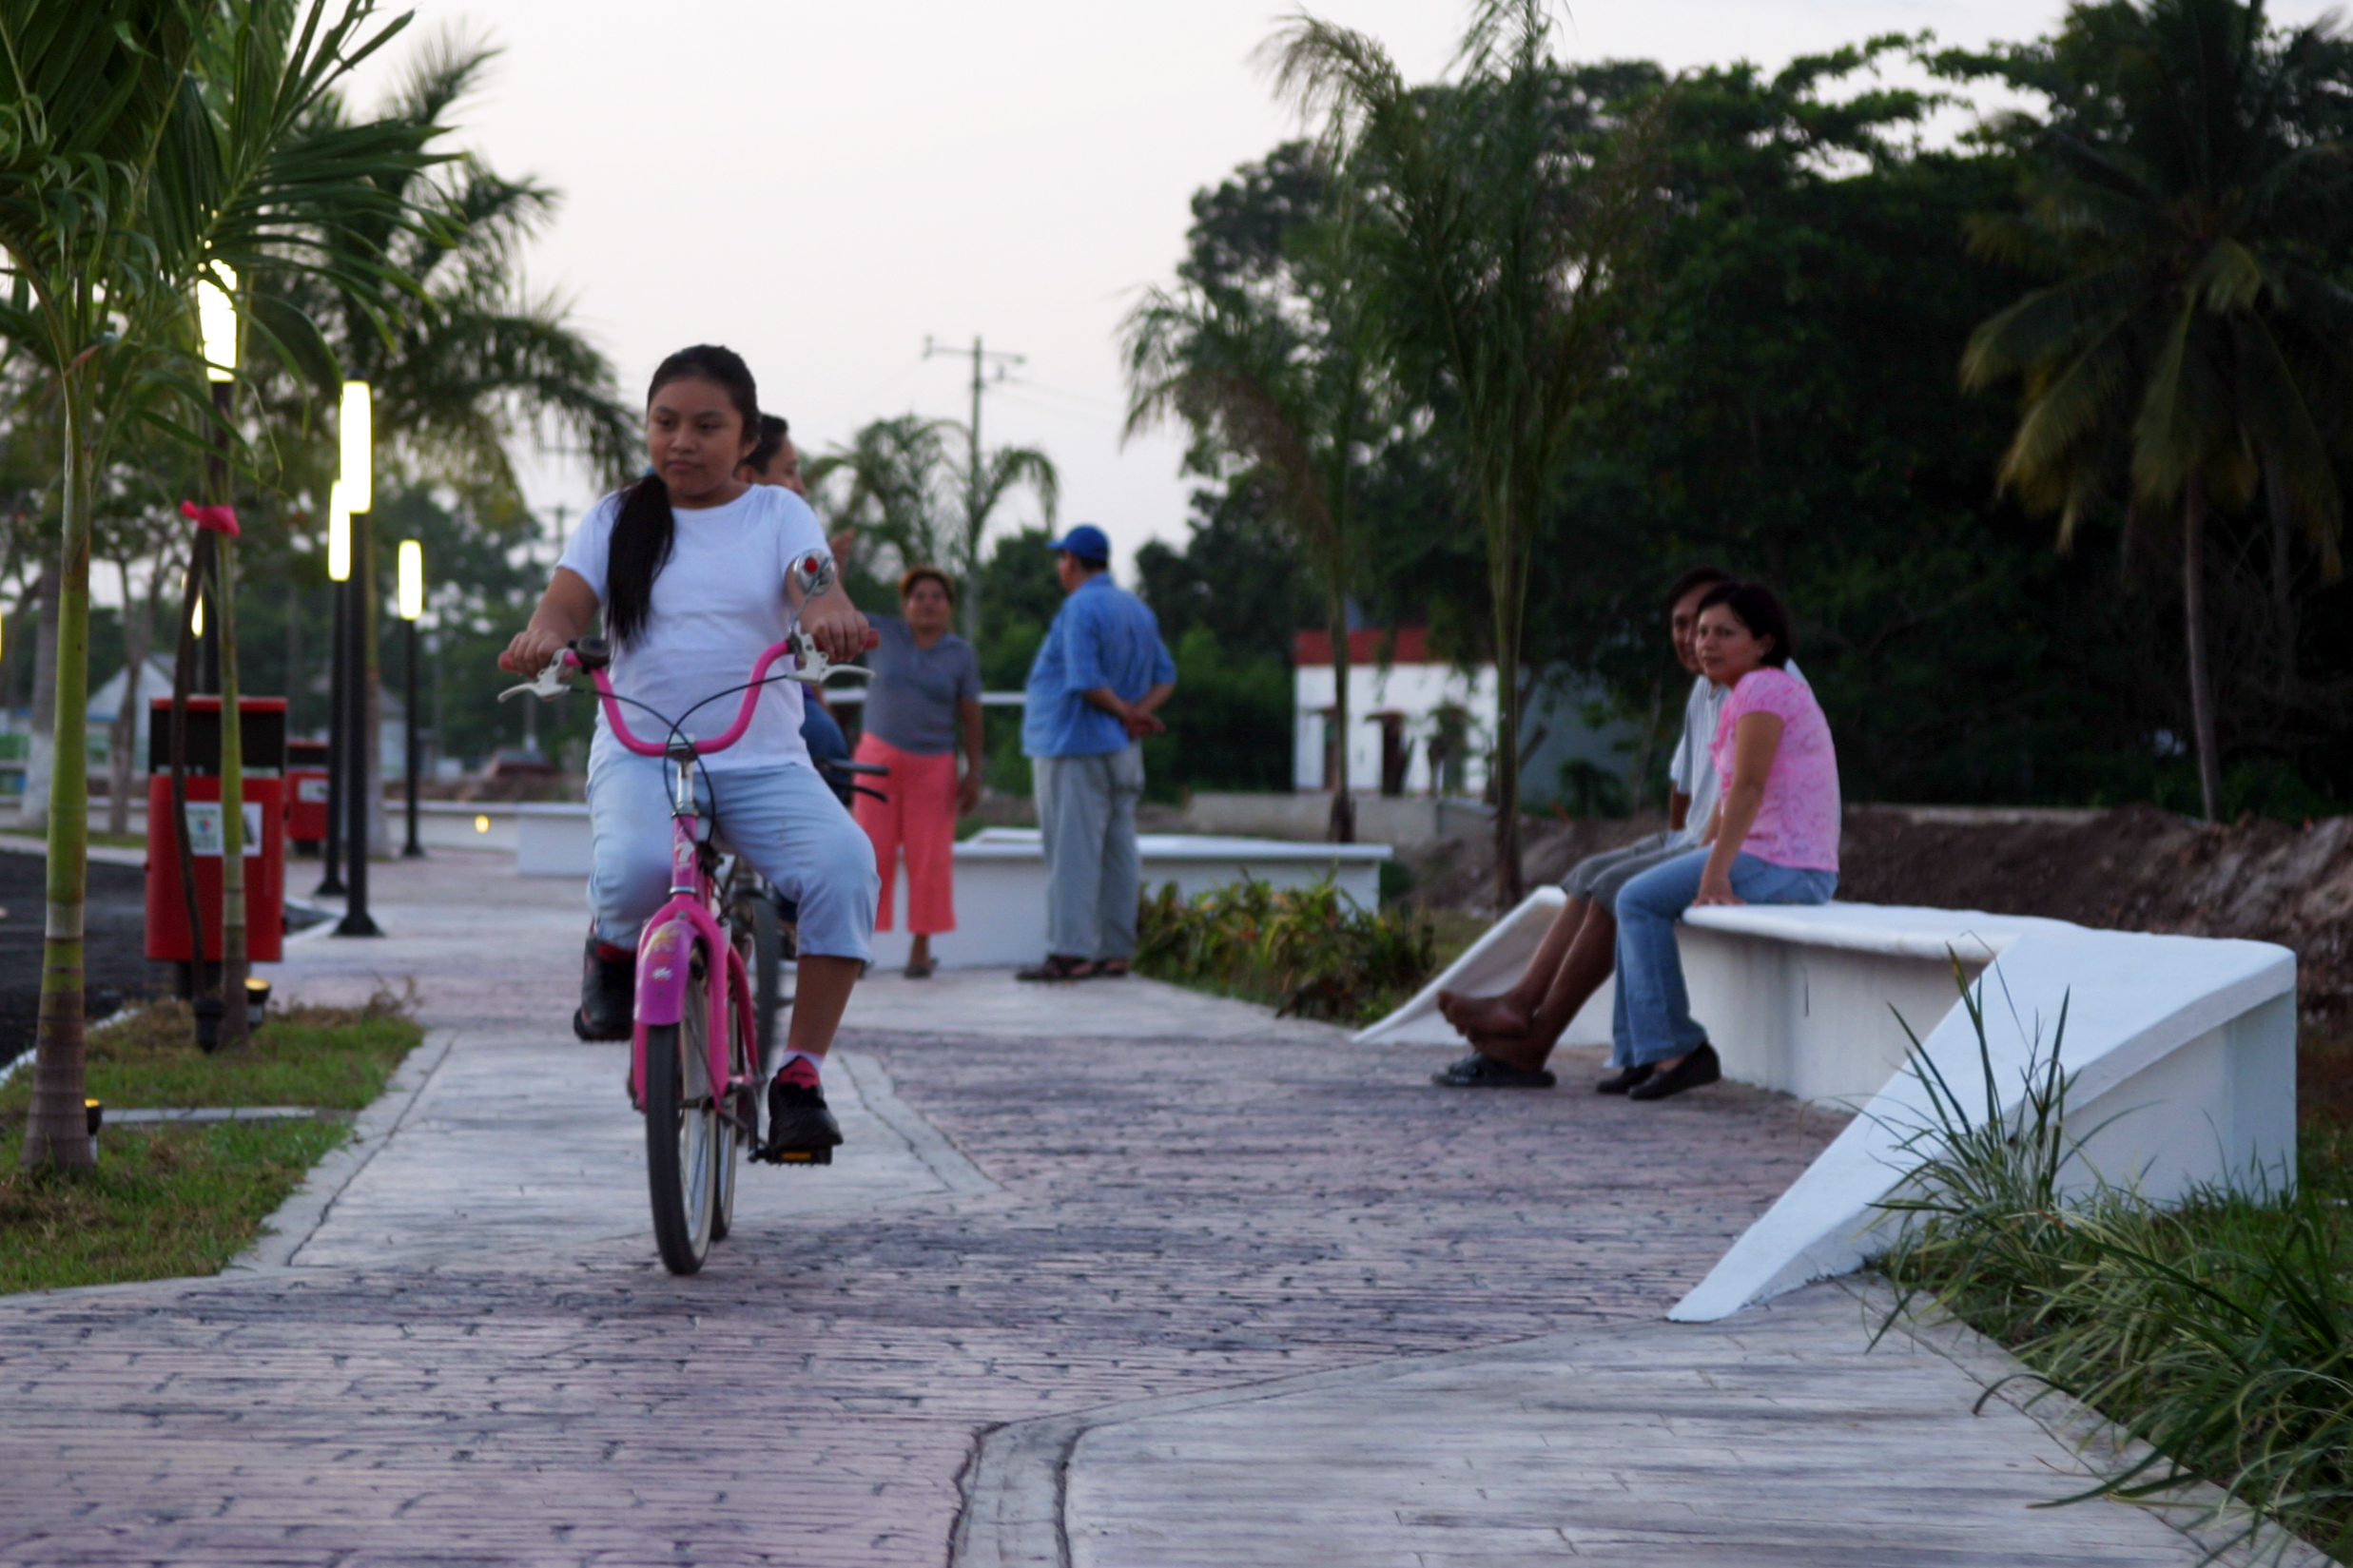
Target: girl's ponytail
[[642, 536]]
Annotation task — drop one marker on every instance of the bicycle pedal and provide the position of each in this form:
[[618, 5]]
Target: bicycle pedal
[[792, 1156]]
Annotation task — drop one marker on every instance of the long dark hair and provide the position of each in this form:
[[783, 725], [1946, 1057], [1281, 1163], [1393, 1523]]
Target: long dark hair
[[645, 528]]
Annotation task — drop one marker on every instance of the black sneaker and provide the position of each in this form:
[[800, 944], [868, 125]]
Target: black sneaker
[[799, 1130], [608, 993]]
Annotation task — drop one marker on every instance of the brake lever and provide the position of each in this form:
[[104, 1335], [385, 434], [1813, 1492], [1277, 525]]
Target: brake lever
[[552, 682], [814, 666]]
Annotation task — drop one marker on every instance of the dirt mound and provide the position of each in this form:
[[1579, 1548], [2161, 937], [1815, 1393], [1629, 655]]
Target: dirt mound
[[2135, 869]]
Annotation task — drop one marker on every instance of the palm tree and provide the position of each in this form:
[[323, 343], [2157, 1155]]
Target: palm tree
[[151, 142], [902, 490], [2200, 341], [1498, 242], [894, 485], [1290, 391], [462, 359]]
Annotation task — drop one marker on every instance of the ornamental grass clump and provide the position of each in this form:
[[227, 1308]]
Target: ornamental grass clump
[[2219, 1332], [1308, 952]]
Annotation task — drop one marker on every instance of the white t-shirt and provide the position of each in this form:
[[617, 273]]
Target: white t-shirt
[[717, 605], [1693, 773]]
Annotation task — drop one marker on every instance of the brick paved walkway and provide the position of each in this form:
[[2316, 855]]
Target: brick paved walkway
[[475, 1358]]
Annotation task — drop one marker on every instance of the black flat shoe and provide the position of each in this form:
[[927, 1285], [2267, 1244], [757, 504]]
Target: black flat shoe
[[1477, 1071], [1701, 1067], [1625, 1079]]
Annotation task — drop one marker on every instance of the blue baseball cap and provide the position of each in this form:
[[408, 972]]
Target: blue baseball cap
[[1087, 542]]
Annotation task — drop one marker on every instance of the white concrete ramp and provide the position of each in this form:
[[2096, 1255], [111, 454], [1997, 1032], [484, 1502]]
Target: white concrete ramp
[[2182, 1050], [1489, 967]]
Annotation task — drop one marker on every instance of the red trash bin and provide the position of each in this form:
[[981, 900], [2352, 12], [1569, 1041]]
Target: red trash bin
[[263, 720], [307, 794]]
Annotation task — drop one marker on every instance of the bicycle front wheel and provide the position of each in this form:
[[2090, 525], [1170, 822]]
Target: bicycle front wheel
[[682, 1132]]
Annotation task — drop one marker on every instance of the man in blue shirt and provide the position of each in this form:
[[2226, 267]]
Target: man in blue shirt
[[1093, 690]]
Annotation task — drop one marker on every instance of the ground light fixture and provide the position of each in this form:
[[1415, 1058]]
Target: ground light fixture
[[412, 604]]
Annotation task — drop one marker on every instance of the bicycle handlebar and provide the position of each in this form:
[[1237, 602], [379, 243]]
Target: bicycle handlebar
[[813, 669]]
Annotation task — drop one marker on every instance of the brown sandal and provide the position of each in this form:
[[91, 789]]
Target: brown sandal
[[1057, 967], [1108, 969]]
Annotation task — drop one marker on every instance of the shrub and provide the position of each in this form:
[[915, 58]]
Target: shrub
[[1308, 950]]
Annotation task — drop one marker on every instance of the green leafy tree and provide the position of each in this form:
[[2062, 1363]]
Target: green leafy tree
[[898, 483], [1499, 241], [1288, 377], [2201, 342], [144, 144]]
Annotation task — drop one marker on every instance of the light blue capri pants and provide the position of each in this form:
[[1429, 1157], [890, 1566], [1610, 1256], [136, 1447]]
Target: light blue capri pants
[[1653, 1019], [784, 820]]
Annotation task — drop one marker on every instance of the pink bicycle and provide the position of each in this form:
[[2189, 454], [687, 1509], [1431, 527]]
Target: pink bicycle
[[694, 1066]]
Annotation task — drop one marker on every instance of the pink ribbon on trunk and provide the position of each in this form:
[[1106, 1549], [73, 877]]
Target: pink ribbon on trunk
[[220, 519]]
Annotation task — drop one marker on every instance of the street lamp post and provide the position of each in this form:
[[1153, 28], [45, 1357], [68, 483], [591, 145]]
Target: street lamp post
[[359, 496], [411, 604], [339, 573]]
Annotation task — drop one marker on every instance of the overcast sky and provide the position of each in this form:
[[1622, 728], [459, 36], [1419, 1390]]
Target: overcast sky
[[822, 186]]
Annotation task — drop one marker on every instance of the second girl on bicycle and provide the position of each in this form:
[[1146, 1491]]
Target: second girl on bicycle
[[689, 566]]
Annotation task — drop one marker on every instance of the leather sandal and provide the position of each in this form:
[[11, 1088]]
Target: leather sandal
[[1057, 967], [1480, 1071], [1108, 969]]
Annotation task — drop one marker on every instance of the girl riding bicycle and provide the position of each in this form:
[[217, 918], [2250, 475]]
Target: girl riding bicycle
[[689, 568]]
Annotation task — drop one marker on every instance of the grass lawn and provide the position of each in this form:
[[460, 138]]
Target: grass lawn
[[333, 1058], [162, 1202], [172, 1201]]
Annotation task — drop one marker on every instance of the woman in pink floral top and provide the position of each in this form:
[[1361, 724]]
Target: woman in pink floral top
[[1775, 838]]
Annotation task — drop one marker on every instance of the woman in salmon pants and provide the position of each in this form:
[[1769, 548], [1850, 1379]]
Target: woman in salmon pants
[[925, 698]]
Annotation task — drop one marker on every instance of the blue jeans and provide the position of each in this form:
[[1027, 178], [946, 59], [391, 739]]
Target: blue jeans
[[1653, 1019], [782, 819]]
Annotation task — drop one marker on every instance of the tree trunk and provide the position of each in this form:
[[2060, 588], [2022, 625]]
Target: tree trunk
[[1507, 578], [57, 1131], [234, 1026], [2201, 682], [39, 746], [1341, 829], [2282, 578]]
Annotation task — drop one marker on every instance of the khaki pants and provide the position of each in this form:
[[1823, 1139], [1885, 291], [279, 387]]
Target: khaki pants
[[1086, 812]]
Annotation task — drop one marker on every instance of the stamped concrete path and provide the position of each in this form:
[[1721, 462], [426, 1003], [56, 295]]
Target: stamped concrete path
[[1107, 1274]]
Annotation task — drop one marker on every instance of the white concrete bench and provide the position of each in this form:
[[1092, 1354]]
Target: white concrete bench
[[2185, 1048], [1001, 878]]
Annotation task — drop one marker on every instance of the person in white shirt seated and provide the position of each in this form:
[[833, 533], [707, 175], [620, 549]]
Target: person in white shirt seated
[[1513, 1034]]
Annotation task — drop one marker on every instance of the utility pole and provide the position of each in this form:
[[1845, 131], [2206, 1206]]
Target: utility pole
[[973, 519]]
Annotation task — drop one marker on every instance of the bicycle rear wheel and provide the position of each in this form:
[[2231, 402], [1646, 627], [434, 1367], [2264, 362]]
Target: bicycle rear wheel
[[682, 1130], [739, 1130], [755, 914]]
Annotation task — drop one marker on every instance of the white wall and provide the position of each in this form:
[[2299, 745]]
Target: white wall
[[1419, 689]]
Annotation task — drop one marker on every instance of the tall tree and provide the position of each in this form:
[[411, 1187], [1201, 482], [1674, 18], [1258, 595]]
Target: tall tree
[[1287, 380], [144, 144], [464, 360], [1498, 241], [2202, 345]]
